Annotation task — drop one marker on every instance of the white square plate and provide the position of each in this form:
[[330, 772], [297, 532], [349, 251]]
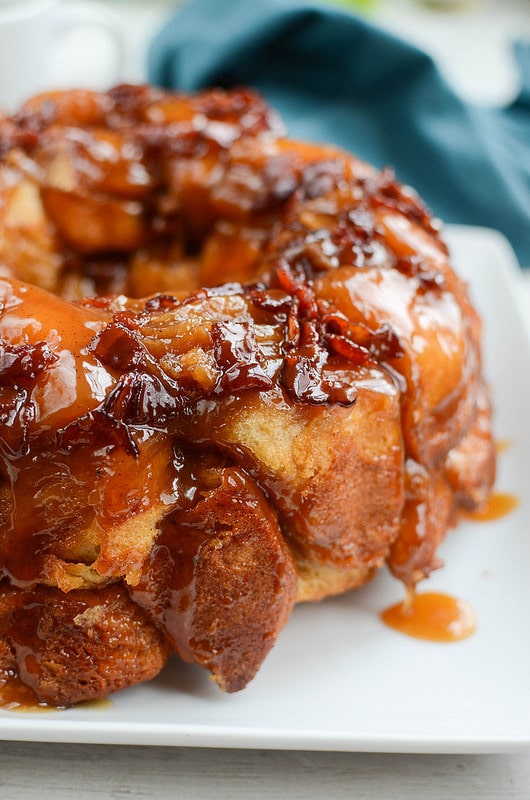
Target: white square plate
[[338, 679]]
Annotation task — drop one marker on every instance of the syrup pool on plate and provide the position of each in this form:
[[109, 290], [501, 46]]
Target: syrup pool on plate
[[18, 696], [499, 505], [434, 616], [441, 617]]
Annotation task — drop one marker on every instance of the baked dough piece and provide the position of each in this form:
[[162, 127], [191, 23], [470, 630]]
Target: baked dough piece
[[68, 647]]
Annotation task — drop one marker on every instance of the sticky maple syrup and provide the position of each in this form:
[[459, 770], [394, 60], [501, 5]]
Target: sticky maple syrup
[[99, 704], [499, 505], [502, 445], [434, 616], [440, 617], [15, 695]]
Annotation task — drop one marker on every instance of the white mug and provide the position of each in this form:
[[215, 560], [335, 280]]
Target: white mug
[[31, 32]]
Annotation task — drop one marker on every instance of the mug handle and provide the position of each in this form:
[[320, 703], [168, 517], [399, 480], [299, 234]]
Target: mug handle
[[84, 14]]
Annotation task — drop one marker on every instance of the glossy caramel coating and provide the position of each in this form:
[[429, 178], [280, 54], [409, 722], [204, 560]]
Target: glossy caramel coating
[[213, 455]]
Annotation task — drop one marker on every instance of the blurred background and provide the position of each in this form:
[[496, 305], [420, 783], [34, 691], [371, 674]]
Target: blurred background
[[470, 39]]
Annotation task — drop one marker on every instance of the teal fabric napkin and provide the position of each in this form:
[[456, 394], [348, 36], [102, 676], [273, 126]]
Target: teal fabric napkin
[[336, 78]]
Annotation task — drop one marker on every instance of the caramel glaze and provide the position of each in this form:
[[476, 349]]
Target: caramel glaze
[[319, 412], [499, 505], [15, 695], [434, 616]]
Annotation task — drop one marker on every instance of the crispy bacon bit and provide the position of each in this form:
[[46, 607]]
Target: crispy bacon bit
[[273, 301], [97, 428], [381, 344], [322, 177], [141, 399], [118, 347], [17, 413], [161, 302], [415, 267], [237, 353], [302, 375], [23, 362], [299, 287], [387, 192]]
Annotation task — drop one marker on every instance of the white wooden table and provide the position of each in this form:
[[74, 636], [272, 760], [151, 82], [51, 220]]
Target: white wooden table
[[481, 69], [82, 772]]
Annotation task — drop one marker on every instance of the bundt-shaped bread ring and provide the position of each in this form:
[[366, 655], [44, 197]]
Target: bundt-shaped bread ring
[[236, 372]]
